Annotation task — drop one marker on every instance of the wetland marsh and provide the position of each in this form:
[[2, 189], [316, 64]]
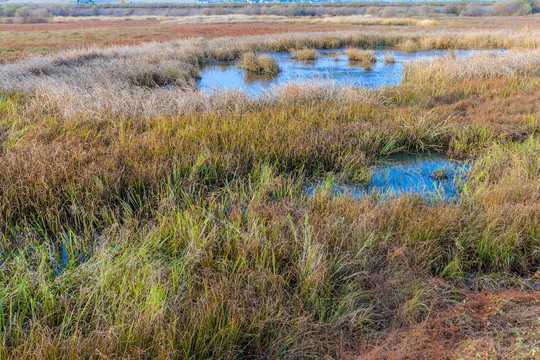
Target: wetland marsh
[[141, 218]]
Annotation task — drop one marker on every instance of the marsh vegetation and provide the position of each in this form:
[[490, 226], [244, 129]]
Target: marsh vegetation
[[360, 55], [259, 64], [141, 220], [303, 54], [331, 67]]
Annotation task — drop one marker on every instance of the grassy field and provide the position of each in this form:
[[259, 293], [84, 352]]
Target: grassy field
[[138, 222], [23, 40]]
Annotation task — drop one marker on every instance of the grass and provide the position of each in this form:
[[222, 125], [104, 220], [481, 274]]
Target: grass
[[191, 19], [303, 54], [23, 40], [259, 64], [368, 21], [389, 59], [443, 336], [478, 66], [364, 58], [360, 55], [137, 221], [409, 46]]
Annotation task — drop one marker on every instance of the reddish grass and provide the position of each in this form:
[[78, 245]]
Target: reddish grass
[[487, 325], [21, 40], [76, 25]]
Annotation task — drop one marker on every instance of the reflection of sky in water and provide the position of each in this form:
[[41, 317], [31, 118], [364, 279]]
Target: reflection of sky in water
[[425, 175], [324, 69]]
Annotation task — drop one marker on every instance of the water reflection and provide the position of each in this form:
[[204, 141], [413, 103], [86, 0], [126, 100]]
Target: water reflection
[[251, 79], [429, 175], [331, 66]]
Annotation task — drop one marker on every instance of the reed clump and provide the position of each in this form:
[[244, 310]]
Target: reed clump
[[259, 64], [360, 55], [304, 54], [363, 58], [335, 56], [389, 59], [409, 46]]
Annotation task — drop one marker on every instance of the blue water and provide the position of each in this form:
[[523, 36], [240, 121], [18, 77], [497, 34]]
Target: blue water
[[430, 175], [227, 76]]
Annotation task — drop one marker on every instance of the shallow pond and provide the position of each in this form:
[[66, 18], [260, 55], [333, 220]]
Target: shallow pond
[[331, 66], [429, 175]]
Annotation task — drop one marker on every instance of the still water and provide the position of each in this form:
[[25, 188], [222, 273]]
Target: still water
[[331, 66], [430, 175]]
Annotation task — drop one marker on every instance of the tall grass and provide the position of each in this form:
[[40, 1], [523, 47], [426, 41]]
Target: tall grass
[[303, 54], [409, 46], [259, 64], [475, 67], [389, 59], [359, 55]]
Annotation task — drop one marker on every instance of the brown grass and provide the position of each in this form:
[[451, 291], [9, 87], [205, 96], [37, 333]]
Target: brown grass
[[485, 325], [477, 66], [21, 40]]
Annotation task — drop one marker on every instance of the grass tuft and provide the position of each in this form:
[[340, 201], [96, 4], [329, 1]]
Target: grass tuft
[[389, 59], [304, 54], [359, 55], [259, 64], [409, 46]]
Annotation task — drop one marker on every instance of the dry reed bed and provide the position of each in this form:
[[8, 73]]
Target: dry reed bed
[[192, 19], [242, 18], [370, 21], [476, 67], [114, 80]]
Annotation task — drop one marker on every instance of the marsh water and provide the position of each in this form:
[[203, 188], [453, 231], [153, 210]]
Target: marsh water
[[331, 66], [429, 175]]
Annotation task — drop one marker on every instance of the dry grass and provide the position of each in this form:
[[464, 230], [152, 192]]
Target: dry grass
[[21, 40], [364, 20], [68, 80], [485, 325], [389, 59], [409, 46], [193, 19], [428, 22], [360, 55], [303, 54], [259, 64], [475, 67]]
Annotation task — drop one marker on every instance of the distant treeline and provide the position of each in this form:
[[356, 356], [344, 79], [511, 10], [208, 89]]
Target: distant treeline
[[36, 13]]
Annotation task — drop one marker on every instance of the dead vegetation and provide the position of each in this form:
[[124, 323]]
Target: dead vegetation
[[487, 325]]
